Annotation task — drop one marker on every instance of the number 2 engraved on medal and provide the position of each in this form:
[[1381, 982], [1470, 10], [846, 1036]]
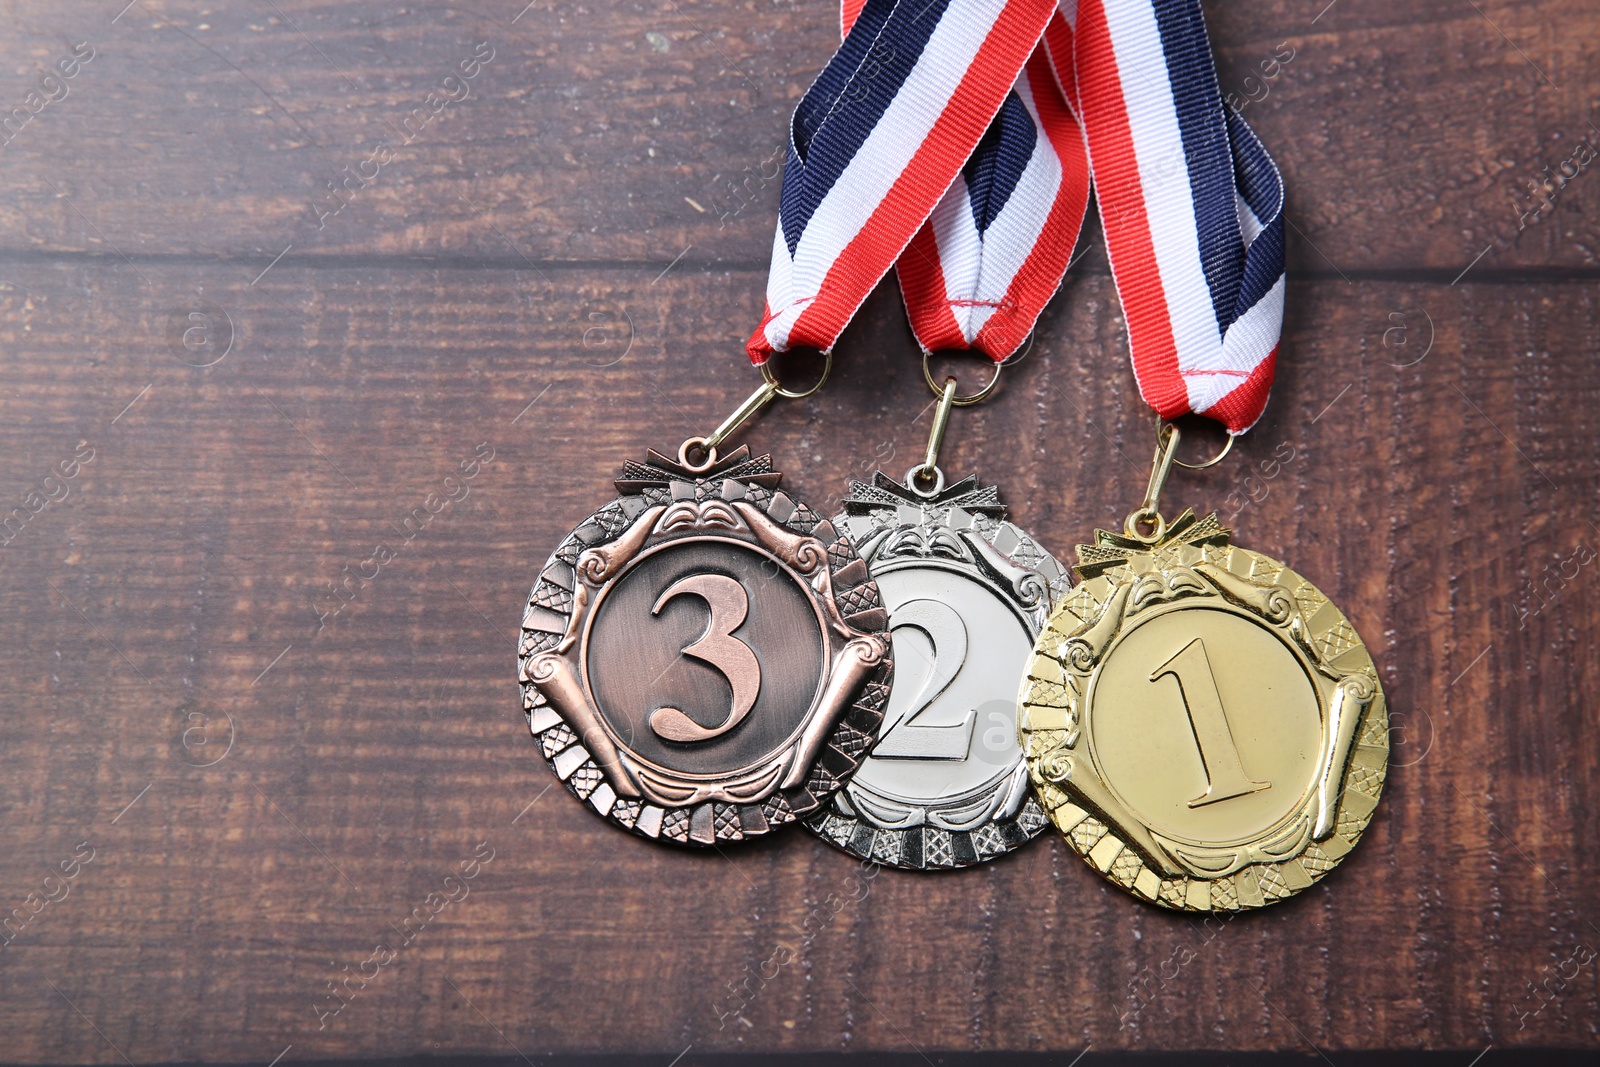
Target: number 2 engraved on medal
[[1197, 686], [729, 605], [907, 739]]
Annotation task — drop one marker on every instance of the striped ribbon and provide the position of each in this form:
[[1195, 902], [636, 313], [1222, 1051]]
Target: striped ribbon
[[957, 139]]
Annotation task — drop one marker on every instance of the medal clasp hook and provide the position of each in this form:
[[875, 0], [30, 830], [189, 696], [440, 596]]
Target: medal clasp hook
[[928, 472], [707, 445], [771, 377], [970, 398], [1148, 513], [926, 479], [770, 387]]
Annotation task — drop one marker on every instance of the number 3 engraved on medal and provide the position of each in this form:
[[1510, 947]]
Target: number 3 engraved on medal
[[729, 605], [1197, 686], [907, 740]]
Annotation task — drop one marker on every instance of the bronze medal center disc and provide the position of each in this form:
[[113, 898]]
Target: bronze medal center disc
[[1206, 724], [663, 637]]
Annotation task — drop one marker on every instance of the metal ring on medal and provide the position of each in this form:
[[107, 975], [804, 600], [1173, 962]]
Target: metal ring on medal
[[945, 784], [705, 658], [1201, 723]]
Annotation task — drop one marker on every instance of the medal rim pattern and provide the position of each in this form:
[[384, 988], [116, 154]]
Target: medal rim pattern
[[909, 849], [1050, 717], [855, 599]]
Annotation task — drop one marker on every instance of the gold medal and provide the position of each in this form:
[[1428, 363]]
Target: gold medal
[[1201, 723]]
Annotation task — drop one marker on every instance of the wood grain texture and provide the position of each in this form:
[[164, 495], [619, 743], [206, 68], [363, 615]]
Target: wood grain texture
[[504, 284]]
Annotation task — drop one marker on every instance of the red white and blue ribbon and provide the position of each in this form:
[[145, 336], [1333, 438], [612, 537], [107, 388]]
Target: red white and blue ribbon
[[907, 150]]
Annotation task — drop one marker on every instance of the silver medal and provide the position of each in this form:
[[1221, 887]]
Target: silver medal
[[945, 785]]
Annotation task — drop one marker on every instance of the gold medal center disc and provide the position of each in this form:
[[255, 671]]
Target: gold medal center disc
[[1210, 728]]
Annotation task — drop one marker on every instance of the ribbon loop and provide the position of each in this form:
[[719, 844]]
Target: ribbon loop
[[961, 138], [875, 143]]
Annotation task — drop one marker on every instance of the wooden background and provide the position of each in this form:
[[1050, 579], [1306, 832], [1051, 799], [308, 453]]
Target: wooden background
[[562, 266]]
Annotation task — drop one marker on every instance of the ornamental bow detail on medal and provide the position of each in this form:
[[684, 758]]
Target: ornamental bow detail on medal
[[959, 522], [884, 491]]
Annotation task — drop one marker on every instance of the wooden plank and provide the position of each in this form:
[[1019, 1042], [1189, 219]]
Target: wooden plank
[[635, 134], [177, 587]]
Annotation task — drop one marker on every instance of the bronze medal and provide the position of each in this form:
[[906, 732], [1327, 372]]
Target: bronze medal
[[705, 658]]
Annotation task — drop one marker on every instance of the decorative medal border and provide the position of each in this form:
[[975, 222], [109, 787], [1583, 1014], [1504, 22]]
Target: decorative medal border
[[963, 526], [1124, 576], [658, 498]]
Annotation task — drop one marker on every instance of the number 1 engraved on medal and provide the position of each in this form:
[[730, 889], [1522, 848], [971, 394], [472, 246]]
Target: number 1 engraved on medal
[[729, 605], [1197, 686], [948, 635]]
